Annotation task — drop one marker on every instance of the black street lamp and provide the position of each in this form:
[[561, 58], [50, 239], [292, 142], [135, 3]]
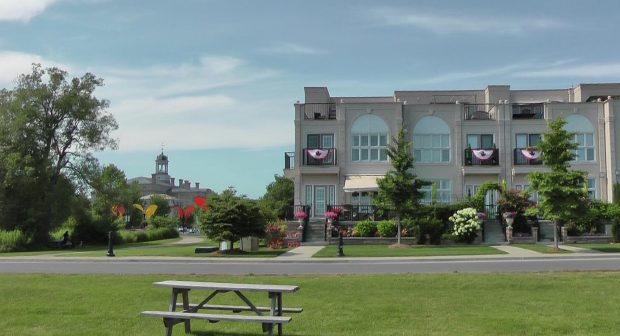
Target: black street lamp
[[110, 247]]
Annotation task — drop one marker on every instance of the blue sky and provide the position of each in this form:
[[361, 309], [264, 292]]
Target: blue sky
[[215, 81]]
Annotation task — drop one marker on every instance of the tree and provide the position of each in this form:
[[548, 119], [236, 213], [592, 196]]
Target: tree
[[560, 191], [49, 126], [163, 208], [278, 197], [399, 190], [231, 217], [109, 188]]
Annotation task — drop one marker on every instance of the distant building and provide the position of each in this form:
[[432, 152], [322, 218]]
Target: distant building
[[181, 194]]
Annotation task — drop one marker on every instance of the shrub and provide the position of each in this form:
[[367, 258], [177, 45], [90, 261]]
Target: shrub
[[466, 224], [387, 228], [430, 229], [151, 234], [366, 228], [163, 222], [275, 233], [13, 240]]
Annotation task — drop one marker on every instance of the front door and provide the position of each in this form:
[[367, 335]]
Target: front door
[[319, 201]]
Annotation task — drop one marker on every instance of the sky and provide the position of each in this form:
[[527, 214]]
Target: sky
[[213, 82]]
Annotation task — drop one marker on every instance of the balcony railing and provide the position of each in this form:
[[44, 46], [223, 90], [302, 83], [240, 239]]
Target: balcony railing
[[481, 157], [289, 160], [358, 212], [317, 111], [528, 111], [479, 112], [319, 156], [528, 158]]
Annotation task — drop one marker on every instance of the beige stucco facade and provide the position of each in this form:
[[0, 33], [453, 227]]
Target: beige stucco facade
[[446, 123]]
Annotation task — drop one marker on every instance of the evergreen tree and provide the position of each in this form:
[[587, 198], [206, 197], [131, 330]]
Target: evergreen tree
[[560, 191], [399, 190]]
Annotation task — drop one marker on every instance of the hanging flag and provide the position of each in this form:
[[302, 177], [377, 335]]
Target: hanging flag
[[530, 155], [201, 202], [180, 212], [318, 154], [150, 211], [139, 207], [482, 154], [120, 210], [188, 211], [115, 210]]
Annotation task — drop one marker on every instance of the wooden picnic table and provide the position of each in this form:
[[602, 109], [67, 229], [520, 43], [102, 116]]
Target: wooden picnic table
[[268, 316]]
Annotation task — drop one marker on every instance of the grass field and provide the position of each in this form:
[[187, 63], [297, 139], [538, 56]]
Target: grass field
[[584, 303], [607, 248], [540, 248], [414, 251]]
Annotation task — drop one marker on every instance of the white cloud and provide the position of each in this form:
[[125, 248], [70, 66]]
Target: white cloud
[[291, 49], [22, 10], [449, 24], [14, 63]]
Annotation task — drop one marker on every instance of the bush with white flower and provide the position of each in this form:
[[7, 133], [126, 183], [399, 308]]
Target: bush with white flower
[[466, 224]]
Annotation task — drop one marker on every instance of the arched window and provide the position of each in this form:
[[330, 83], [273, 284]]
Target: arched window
[[431, 141], [369, 139], [584, 137]]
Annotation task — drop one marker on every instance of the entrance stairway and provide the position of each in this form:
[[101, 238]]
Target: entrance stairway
[[493, 233], [315, 233]]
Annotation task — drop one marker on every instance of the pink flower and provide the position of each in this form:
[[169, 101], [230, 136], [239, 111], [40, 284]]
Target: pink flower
[[300, 215], [331, 215], [510, 214], [482, 215]]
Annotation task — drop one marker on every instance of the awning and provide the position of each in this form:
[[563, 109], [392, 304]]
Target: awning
[[354, 183]]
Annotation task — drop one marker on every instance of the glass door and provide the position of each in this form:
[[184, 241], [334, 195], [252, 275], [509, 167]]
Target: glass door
[[319, 201]]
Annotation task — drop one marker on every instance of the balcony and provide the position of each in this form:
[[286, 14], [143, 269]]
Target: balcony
[[319, 156], [479, 112], [527, 111], [481, 157], [289, 160], [526, 157], [319, 111]]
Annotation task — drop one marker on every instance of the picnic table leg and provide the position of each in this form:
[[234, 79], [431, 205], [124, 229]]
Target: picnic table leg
[[279, 313], [186, 308], [172, 305]]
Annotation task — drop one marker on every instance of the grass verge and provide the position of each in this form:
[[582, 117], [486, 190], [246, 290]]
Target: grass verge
[[540, 248], [414, 251], [607, 248], [425, 304]]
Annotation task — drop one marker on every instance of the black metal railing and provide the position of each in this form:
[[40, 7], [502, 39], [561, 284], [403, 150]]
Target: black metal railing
[[527, 111], [289, 160], [475, 160], [521, 160], [358, 212], [319, 111], [319, 156], [479, 112]]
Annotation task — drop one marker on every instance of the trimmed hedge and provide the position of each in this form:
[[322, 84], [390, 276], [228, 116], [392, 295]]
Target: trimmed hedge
[[125, 236]]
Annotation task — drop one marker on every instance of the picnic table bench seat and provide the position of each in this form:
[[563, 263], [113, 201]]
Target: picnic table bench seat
[[168, 315]]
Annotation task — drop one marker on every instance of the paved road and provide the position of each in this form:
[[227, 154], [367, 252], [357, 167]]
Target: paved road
[[473, 265]]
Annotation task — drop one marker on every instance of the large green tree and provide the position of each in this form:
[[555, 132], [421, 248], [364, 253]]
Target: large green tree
[[50, 124], [278, 197], [231, 217], [110, 188], [399, 190], [560, 192]]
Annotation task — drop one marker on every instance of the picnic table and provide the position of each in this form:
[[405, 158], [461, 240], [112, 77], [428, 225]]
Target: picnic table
[[267, 316]]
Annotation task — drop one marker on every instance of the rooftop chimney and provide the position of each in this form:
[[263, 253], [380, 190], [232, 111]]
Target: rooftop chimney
[[197, 185], [180, 183], [172, 181]]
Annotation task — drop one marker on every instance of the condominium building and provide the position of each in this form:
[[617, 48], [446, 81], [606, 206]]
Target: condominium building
[[461, 139]]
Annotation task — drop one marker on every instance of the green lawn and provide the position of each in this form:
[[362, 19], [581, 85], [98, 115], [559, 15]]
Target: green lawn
[[540, 248], [608, 248], [89, 248], [581, 303], [414, 251]]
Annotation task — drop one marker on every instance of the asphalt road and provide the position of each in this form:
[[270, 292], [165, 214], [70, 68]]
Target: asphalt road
[[477, 265]]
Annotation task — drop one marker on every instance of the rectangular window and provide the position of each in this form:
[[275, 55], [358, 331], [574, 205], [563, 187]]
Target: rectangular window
[[591, 188], [444, 191], [480, 141], [431, 148], [369, 147], [585, 147]]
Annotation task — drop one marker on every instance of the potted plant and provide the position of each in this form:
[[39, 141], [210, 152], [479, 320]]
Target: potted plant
[[300, 216], [509, 216]]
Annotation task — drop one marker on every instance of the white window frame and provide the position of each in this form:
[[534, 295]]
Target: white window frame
[[379, 148], [585, 152], [444, 191], [425, 150]]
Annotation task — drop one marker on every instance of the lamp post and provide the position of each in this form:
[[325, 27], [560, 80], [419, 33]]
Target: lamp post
[[110, 247]]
